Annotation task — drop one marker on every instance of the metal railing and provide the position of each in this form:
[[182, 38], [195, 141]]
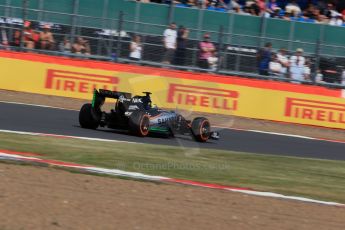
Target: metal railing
[[111, 40]]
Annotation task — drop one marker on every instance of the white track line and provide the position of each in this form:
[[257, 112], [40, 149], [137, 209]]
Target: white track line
[[267, 132], [277, 195], [36, 105], [66, 136], [283, 134]]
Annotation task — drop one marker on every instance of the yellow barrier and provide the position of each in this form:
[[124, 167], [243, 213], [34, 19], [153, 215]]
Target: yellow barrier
[[171, 92]]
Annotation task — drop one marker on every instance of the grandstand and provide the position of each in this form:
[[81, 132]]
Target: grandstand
[[108, 27]]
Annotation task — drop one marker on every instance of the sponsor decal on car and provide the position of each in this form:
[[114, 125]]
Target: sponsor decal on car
[[203, 97], [133, 107], [165, 120], [78, 81], [315, 110], [137, 100]]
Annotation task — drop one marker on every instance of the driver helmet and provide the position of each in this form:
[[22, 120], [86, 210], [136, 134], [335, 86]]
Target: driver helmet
[[147, 102]]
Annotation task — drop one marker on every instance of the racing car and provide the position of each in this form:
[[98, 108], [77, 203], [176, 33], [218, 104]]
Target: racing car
[[137, 115]]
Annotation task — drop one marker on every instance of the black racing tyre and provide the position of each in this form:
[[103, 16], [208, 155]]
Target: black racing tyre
[[139, 123], [201, 129], [86, 119]]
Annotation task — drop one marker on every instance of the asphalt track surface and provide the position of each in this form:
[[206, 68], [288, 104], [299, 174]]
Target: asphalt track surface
[[29, 118]]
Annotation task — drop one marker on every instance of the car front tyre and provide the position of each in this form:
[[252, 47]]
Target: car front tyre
[[201, 129]]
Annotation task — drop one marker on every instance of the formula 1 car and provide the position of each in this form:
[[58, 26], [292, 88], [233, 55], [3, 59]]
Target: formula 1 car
[[138, 116]]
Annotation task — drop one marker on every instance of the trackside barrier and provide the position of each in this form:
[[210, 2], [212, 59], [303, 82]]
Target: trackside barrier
[[200, 92]]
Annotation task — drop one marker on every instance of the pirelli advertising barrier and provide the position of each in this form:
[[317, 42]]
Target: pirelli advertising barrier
[[175, 89]]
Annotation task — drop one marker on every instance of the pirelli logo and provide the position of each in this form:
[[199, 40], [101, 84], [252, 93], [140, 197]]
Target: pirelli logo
[[203, 96], [78, 82], [315, 110]]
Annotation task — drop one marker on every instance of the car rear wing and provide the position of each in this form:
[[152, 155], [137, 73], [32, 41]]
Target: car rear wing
[[100, 95], [112, 94]]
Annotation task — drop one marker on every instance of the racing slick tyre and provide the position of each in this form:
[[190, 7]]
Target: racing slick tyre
[[201, 128], [139, 123], [86, 119]]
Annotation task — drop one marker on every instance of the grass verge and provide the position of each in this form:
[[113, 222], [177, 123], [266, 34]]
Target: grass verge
[[320, 179]]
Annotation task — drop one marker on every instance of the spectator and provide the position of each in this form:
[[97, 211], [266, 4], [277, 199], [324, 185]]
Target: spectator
[[218, 5], [272, 9], [309, 12], [253, 7], [297, 63], [246, 11], [307, 70], [4, 41], [46, 38], [235, 4], [284, 61], [192, 3], [319, 18], [211, 5], [81, 46], [180, 53], [278, 13], [261, 4], [293, 8], [319, 77], [275, 68], [135, 48], [87, 47], [272, 6], [237, 10], [78, 46], [336, 20], [30, 37], [17, 35], [66, 46], [213, 61], [313, 10], [286, 16], [264, 58], [170, 36], [206, 48], [330, 11]]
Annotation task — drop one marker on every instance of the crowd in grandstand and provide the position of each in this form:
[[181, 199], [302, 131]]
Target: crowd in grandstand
[[330, 12], [295, 67]]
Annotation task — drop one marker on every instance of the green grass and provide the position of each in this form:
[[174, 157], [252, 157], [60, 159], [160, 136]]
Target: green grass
[[320, 179]]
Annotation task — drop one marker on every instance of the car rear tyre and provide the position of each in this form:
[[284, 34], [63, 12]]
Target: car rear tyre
[[139, 123], [201, 129], [86, 119]]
